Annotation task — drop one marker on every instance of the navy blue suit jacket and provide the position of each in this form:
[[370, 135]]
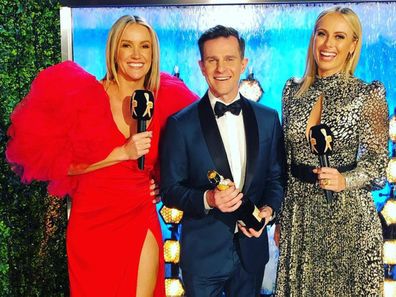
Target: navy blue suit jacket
[[192, 145]]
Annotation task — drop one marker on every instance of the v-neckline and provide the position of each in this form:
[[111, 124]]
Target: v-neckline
[[112, 117]]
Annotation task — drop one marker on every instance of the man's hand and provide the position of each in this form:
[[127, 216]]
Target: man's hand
[[227, 200]]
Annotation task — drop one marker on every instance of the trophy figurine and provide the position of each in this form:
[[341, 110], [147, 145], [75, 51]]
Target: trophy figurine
[[247, 213]]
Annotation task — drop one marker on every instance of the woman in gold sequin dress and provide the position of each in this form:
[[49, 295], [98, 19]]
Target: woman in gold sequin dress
[[333, 249]]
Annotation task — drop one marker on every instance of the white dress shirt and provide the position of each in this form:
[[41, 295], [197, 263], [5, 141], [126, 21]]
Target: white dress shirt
[[232, 131]]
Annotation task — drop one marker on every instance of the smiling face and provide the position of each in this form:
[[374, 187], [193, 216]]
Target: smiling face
[[222, 66], [333, 42], [135, 52]]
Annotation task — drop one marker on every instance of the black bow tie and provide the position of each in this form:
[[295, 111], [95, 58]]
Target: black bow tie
[[221, 108]]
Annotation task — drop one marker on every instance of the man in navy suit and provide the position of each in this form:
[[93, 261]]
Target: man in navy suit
[[240, 139]]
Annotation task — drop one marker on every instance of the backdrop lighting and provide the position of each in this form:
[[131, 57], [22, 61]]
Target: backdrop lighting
[[389, 288], [392, 128], [391, 170], [173, 287], [172, 251], [390, 252], [389, 212], [250, 87], [171, 215]]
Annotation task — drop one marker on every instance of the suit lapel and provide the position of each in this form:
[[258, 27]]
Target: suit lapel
[[252, 141], [213, 138]]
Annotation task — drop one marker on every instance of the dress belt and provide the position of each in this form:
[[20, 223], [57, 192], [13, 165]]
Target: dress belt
[[304, 172]]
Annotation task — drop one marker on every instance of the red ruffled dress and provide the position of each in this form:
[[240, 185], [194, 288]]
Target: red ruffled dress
[[66, 120]]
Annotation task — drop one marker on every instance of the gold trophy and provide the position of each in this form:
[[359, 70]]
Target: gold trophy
[[216, 179], [247, 213]]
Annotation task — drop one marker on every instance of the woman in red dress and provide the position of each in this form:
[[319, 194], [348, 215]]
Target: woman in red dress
[[77, 133]]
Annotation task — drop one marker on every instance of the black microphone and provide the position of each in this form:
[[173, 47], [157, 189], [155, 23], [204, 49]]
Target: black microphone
[[321, 143], [142, 109]]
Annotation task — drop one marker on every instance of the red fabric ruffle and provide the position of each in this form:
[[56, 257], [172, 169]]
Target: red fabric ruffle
[[172, 96], [59, 123]]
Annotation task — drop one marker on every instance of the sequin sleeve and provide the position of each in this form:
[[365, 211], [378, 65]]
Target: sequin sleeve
[[372, 155], [286, 97]]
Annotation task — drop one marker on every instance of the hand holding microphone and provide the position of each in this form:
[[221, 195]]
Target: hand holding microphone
[[321, 144], [142, 109]]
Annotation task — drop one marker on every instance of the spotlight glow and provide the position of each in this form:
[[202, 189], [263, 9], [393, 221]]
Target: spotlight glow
[[389, 288], [392, 128], [389, 212], [390, 252], [173, 287], [171, 215], [172, 251], [391, 170]]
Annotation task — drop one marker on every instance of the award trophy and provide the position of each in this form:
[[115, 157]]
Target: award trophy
[[247, 213]]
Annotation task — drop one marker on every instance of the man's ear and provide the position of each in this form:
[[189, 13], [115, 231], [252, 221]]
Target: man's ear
[[201, 66], [244, 64]]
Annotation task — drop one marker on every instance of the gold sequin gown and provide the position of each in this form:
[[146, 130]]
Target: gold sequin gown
[[334, 249]]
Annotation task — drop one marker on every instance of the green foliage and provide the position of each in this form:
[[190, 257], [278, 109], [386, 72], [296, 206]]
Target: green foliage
[[4, 266], [32, 225]]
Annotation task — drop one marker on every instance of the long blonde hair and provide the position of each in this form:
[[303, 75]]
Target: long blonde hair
[[151, 81], [350, 64]]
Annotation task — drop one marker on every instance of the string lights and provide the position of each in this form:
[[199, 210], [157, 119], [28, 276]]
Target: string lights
[[173, 285], [172, 218], [388, 217]]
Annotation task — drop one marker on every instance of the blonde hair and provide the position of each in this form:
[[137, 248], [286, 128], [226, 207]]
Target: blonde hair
[[151, 81], [352, 60]]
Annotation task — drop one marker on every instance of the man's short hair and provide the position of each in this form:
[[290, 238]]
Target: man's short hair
[[221, 31]]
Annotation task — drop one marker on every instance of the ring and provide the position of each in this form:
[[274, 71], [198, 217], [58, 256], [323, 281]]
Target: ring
[[325, 182]]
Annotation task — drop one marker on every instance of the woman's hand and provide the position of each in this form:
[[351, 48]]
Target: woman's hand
[[137, 145], [330, 179], [154, 191]]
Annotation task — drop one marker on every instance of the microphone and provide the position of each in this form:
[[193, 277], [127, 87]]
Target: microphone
[[321, 143], [142, 109]]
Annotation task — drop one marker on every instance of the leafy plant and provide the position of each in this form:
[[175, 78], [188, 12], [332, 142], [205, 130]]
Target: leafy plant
[[32, 225]]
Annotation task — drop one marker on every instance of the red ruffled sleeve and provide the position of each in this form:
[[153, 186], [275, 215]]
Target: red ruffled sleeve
[[56, 125], [173, 95]]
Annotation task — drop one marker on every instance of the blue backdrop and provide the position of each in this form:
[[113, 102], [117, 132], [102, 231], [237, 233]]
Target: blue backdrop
[[276, 35]]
